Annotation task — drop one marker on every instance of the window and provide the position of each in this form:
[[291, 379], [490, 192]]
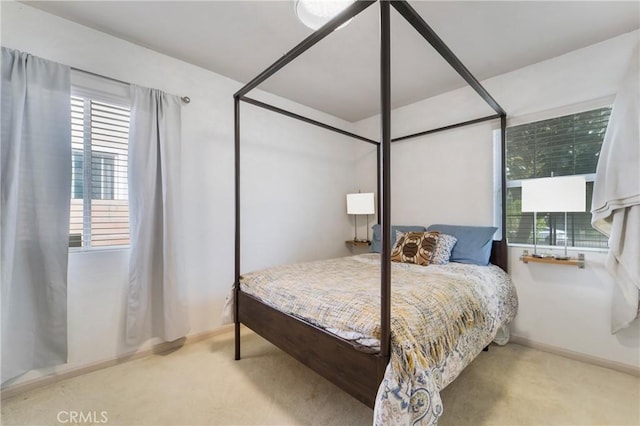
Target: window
[[99, 196], [102, 175], [562, 146]]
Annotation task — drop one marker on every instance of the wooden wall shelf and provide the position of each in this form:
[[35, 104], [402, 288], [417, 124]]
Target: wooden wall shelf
[[579, 262], [358, 243]]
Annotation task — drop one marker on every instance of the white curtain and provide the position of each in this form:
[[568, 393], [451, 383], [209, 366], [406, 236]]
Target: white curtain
[[616, 197], [35, 192], [156, 305]]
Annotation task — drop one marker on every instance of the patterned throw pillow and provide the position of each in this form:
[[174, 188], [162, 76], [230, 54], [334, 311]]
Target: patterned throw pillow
[[415, 247], [443, 249]]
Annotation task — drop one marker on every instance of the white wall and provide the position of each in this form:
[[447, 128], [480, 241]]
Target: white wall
[[446, 177], [294, 180]]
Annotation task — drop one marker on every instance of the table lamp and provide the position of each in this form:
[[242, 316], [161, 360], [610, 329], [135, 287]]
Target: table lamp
[[554, 194], [358, 204]]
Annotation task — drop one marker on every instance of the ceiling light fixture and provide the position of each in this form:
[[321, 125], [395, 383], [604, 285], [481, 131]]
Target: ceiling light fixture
[[316, 13]]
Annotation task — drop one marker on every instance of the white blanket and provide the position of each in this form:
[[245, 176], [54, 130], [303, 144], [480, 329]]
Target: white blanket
[[615, 206]]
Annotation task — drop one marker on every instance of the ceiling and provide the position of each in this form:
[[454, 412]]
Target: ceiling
[[239, 39]]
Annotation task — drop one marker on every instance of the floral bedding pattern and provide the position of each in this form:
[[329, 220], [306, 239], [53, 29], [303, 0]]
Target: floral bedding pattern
[[442, 316]]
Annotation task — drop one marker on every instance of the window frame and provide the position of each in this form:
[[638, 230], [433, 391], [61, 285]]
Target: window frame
[[603, 102], [103, 90]]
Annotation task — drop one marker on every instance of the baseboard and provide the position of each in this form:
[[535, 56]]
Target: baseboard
[[13, 390], [601, 362]]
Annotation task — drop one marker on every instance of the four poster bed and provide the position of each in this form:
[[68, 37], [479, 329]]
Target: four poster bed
[[330, 314]]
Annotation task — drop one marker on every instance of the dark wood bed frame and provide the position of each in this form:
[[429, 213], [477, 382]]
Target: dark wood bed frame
[[357, 372]]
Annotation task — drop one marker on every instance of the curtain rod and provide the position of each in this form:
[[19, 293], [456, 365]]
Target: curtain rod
[[184, 99]]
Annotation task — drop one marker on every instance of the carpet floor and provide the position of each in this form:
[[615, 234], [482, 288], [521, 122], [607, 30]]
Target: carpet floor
[[200, 384]]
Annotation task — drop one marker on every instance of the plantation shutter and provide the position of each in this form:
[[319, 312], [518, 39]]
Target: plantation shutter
[[99, 204]]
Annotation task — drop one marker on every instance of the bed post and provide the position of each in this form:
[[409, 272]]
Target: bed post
[[379, 180], [385, 163], [504, 252], [499, 249], [236, 283]]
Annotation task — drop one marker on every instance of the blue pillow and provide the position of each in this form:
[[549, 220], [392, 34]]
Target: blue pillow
[[474, 242], [376, 242]]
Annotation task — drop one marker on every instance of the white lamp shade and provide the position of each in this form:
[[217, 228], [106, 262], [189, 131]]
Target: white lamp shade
[[554, 194], [360, 203]]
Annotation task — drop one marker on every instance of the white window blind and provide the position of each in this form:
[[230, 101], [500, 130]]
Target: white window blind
[[561, 146], [99, 196]]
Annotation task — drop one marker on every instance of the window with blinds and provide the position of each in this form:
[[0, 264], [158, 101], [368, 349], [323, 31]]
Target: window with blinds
[[562, 146], [99, 196]]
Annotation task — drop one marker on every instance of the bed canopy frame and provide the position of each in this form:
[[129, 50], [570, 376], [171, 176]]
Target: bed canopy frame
[[358, 373]]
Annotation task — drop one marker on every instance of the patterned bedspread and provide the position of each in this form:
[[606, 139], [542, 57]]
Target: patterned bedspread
[[441, 318]]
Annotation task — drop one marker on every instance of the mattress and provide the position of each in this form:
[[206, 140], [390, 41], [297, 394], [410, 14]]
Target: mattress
[[442, 316]]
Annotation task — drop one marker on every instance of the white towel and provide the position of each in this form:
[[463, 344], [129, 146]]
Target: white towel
[[624, 265], [615, 206]]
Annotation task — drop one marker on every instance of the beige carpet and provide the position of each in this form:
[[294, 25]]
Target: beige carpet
[[200, 384]]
